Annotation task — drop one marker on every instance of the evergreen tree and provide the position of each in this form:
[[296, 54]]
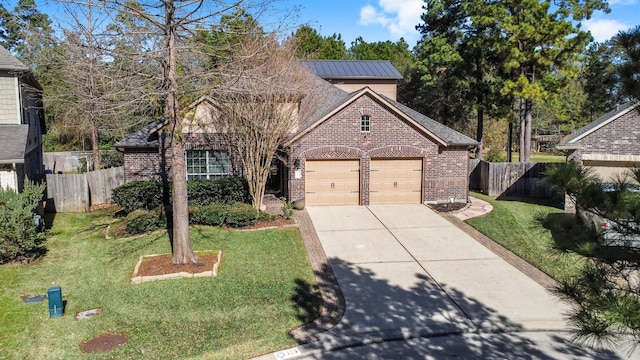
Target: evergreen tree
[[309, 44]]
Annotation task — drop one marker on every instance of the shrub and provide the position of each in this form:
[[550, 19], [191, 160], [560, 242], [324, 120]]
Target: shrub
[[227, 190], [19, 235], [142, 221], [241, 214], [138, 195], [287, 208], [212, 215], [495, 155]]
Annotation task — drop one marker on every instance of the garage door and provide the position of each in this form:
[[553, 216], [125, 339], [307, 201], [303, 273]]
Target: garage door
[[396, 181], [608, 171], [332, 182]]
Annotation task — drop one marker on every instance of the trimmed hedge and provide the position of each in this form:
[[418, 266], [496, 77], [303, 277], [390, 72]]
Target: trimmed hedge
[[147, 194], [138, 195], [227, 190], [212, 215], [142, 221], [241, 215]]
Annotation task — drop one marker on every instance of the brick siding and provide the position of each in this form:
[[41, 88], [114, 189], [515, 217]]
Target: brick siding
[[444, 169], [619, 137], [155, 163]]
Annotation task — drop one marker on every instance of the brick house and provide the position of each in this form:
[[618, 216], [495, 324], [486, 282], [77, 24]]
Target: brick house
[[358, 147], [609, 144], [21, 123]]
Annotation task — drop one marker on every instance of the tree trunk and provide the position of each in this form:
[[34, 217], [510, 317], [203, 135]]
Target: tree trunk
[[522, 146], [510, 142], [95, 147], [528, 109], [182, 249], [479, 104]]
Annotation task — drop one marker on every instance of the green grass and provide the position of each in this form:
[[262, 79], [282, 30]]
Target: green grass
[[243, 312], [532, 231], [539, 157]]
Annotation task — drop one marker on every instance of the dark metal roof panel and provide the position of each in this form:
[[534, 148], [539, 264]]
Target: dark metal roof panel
[[353, 69], [14, 143]]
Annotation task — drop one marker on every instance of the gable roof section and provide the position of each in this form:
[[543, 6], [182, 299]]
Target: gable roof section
[[573, 140], [147, 137], [14, 142], [352, 69], [442, 134], [9, 62]]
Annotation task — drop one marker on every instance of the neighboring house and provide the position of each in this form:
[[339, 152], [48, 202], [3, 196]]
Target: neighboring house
[[357, 147], [21, 123], [380, 76], [609, 145]]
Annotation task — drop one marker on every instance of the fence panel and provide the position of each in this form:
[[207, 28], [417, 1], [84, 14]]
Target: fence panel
[[77, 192], [67, 193], [509, 179], [102, 182]]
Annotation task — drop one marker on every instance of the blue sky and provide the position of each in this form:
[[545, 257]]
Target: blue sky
[[380, 20]]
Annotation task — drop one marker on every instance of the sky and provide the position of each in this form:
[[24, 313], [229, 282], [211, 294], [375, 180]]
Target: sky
[[381, 20]]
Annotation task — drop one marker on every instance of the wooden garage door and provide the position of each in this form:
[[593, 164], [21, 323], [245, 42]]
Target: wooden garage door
[[332, 182], [396, 181]]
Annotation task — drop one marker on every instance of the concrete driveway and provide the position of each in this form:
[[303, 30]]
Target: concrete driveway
[[405, 270]]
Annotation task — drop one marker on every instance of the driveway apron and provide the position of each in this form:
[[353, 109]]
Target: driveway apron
[[406, 269]]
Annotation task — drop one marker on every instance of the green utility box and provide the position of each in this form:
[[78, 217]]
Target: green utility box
[[56, 307]]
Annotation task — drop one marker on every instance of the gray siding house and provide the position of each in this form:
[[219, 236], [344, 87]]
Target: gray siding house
[[357, 147], [21, 123]]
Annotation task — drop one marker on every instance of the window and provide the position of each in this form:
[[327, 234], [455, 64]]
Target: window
[[207, 164], [365, 123]]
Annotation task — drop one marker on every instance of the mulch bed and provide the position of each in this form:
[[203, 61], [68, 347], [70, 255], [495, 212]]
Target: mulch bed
[[447, 207], [161, 265]]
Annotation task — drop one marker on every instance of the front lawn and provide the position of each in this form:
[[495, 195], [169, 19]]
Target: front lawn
[[531, 231], [243, 312]]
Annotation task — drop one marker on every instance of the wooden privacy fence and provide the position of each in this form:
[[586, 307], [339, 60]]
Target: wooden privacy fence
[[78, 192], [508, 179]]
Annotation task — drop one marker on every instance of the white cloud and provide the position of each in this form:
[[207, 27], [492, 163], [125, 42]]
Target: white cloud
[[622, 2], [603, 30], [399, 17]]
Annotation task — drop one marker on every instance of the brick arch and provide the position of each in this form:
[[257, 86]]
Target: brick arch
[[332, 152], [398, 151]]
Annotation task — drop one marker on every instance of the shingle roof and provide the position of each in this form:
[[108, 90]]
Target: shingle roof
[[328, 98], [14, 142], [445, 133], [352, 69], [147, 137], [335, 98], [9, 62], [574, 138]]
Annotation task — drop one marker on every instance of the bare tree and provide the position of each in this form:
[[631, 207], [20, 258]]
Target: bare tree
[[99, 99], [184, 77], [261, 107]]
